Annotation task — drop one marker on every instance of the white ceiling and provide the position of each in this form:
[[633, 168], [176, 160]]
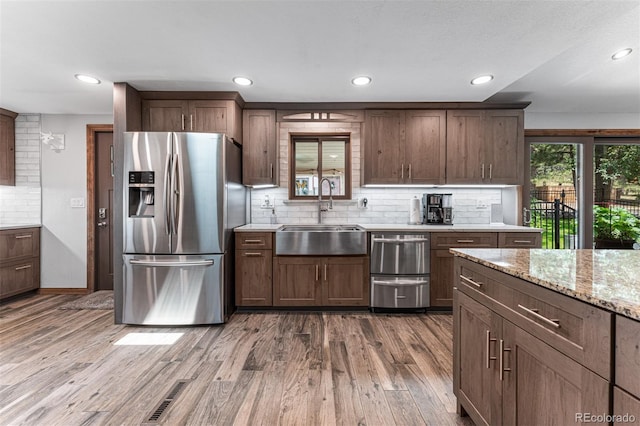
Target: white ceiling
[[556, 54]]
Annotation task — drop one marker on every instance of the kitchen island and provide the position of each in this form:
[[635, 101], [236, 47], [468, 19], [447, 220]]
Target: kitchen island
[[547, 336]]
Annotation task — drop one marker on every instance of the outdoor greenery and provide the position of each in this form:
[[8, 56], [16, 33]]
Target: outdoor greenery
[[615, 223]]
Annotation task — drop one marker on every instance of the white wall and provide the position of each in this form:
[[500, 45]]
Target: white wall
[[64, 176], [563, 120]]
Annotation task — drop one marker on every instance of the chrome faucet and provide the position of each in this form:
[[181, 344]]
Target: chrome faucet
[[320, 210]]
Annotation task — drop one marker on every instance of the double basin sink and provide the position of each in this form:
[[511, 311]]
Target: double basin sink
[[321, 240]]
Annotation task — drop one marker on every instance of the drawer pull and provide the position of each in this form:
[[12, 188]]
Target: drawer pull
[[489, 357], [466, 241], [534, 312], [522, 241], [19, 237], [19, 268], [253, 254], [252, 241], [470, 281]]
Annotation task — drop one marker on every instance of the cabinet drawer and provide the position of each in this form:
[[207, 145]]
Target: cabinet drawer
[[17, 243], [519, 240], [18, 277], [577, 329], [626, 408], [464, 239], [627, 357], [254, 240]]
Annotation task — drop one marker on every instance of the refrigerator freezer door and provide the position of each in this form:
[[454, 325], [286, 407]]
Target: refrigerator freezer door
[[198, 193], [147, 233], [173, 290]]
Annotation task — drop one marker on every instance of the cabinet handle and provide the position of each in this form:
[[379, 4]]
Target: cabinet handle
[[470, 281], [522, 241], [502, 351], [482, 170], [253, 254], [317, 272], [402, 171], [409, 171], [534, 312], [271, 171], [182, 121], [489, 357], [19, 237], [466, 241], [22, 267], [490, 171], [252, 241], [325, 271], [191, 121]]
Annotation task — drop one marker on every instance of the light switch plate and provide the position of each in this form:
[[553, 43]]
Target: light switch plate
[[77, 203]]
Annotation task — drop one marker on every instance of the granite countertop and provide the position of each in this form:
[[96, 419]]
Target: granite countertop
[[257, 227], [23, 226], [609, 279]]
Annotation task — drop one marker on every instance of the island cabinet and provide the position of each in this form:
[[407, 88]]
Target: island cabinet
[[526, 355], [19, 261], [259, 147], [254, 253], [404, 146], [485, 147], [176, 115], [7, 147], [321, 281], [626, 392]]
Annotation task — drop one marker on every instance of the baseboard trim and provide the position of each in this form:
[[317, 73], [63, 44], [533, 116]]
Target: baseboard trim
[[63, 291]]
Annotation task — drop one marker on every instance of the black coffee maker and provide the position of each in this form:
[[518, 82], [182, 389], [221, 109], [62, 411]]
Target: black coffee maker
[[437, 209]]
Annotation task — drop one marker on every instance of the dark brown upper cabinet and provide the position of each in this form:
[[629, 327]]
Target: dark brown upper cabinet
[[7, 147], [260, 147]]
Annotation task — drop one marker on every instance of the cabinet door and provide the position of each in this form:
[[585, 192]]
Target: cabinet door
[[208, 116], [476, 381], [625, 407], [543, 386], [19, 277], [504, 147], [253, 277], [165, 115], [7, 150], [297, 281], [425, 147], [345, 281], [465, 146], [441, 283], [384, 147], [259, 148]]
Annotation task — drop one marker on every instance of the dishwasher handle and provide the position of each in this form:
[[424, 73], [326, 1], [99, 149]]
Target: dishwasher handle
[[398, 241]]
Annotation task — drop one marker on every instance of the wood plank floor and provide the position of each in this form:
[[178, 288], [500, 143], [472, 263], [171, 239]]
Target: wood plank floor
[[60, 367]]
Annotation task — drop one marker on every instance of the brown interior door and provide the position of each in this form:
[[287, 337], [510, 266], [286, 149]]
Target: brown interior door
[[104, 211]]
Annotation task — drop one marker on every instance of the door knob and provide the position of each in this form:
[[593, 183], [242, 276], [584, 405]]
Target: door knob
[[102, 224]]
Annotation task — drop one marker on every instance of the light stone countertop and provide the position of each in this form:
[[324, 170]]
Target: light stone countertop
[[257, 227], [609, 279], [24, 226]]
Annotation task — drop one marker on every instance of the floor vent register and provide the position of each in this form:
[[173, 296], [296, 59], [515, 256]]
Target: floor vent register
[[166, 402]]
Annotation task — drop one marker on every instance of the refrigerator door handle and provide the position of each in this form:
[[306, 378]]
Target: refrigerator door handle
[[167, 191], [207, 262], [175, 195]]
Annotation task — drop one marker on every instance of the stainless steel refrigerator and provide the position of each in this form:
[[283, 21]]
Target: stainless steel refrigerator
[[182, 198]]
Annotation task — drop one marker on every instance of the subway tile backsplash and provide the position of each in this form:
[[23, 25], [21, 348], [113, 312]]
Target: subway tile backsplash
[[21, 204]]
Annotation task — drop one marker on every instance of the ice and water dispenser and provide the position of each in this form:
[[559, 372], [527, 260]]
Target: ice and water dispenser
[[141, 194]]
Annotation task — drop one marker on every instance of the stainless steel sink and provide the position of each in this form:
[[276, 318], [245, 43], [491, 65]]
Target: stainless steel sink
[[321, 240]]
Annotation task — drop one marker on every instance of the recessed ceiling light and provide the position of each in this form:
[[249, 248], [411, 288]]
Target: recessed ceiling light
[[242, 81], [482, 79], [87, 79], [362, 80], [621, 53]]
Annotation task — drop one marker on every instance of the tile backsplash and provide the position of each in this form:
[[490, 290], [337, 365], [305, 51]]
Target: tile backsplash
[[21, 204]]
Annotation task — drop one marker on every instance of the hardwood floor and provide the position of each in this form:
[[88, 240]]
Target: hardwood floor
[[60, 367]]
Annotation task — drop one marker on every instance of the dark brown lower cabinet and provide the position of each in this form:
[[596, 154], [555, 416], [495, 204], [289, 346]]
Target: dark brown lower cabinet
[[320, 281], [254, 277]]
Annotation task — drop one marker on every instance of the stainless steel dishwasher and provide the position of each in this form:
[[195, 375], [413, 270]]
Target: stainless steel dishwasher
[[399, 270]]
